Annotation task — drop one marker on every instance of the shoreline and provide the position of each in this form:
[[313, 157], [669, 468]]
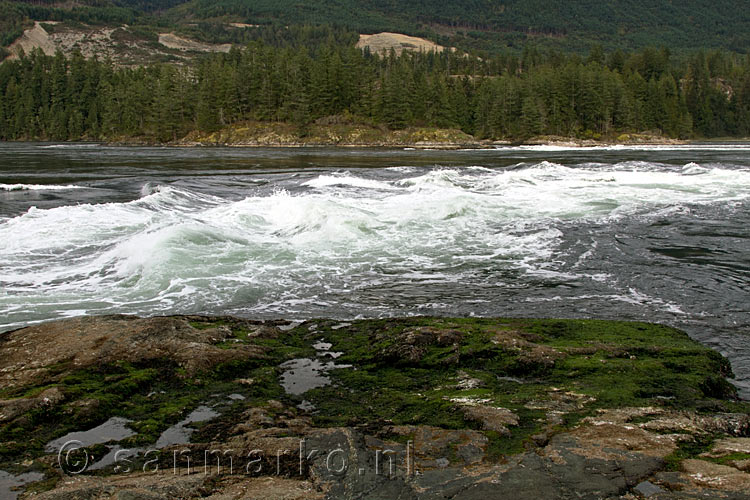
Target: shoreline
[[582, 144], [351, 136], [273, 141]]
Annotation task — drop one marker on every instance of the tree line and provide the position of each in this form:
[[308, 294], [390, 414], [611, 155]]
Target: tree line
[[505, 96]]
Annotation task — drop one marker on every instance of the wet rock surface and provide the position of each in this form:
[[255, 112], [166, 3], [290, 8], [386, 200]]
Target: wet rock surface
[[52, 349], [419, 408]]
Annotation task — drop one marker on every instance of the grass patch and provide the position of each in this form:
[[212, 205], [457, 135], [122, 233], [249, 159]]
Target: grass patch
[[728, 459]]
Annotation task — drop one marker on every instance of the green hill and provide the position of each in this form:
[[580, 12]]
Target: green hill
[[490, 24], [486, 25]]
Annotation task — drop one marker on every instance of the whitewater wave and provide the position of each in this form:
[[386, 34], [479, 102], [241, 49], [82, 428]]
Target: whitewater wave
[[69, 146], [552, 148], [632, 297], [402, 169], [324, 181], [37, 187], [175, 249]]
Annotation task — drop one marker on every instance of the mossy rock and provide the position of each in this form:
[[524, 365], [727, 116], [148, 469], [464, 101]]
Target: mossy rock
[[520, 378]]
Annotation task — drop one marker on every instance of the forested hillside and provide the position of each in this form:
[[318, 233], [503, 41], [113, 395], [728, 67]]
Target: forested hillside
[[490, 24], [482, 25], [539, 68], [505, 96]]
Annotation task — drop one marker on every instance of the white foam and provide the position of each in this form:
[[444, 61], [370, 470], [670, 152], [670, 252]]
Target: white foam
[[324, 181], [37, 187], [694, 169], [633, 297], [176, 250], [628, 147], [69, 146]]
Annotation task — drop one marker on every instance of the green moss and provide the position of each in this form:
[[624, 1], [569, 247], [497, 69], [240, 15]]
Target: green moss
[[235, 369], [728, 459], [615, 363], [153, 395], [530, 423], [392, 395], [688, 449], [110, 390], [46, 484]]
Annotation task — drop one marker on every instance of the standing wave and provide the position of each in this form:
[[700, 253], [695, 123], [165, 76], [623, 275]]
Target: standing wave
[[331, 237]]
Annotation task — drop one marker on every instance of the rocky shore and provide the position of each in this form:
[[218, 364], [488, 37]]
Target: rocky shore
[[359, 135], [415, 408], [263, 134]]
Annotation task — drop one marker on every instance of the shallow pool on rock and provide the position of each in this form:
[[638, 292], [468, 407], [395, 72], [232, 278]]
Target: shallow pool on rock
[[9, 483], [304, 374], [114, 429]]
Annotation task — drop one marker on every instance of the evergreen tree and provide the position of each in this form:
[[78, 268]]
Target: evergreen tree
[[502, 96]]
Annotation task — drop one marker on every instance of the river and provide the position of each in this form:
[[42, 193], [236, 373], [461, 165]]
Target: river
[[654, 233]]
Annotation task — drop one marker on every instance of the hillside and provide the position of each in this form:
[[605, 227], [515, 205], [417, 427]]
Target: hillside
[[309, 85], [383, 43], [121, 44], [305, 75], [488, 24], [484, 25]]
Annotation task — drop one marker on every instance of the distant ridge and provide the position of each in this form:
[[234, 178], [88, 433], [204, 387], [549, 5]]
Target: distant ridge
[[485, 25]]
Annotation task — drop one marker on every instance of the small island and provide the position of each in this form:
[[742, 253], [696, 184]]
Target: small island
[[223, 407]]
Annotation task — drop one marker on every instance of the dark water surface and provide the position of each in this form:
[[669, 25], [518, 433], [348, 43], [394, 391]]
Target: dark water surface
[[647, 233]]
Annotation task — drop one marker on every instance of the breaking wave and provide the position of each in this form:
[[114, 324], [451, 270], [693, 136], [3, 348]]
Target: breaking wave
[[693, 147], [36, 187], [175, 249]]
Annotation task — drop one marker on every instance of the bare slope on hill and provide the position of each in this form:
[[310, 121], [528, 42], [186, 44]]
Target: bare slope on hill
[[172, 41], [121, 44], [127, 47], [32, 38], [91, 41], [380, 43]]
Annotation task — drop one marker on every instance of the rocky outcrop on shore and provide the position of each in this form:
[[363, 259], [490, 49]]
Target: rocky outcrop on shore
[[343, 134], [417, 408]]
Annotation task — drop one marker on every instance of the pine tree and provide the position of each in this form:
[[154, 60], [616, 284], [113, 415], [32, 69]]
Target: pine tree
[[58, 128], [531, 117]]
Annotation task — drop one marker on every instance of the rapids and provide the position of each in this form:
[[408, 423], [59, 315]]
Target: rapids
[[656, 233]]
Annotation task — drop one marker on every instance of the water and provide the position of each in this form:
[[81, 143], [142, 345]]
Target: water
[[303, 374], [180, 432], [117, 455], [114, 429], [646, 233], [11, 484]]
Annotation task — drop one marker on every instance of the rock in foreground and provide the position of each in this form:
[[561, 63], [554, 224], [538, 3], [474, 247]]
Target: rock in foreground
[[198, 407]]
